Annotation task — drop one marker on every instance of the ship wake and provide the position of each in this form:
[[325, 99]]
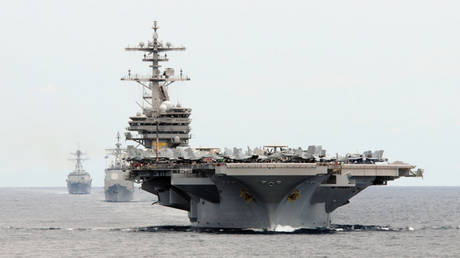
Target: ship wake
[[336, 228]]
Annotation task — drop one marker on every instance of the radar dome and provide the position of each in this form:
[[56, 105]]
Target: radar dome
[[163, 107], [176, 139], [168, 104]]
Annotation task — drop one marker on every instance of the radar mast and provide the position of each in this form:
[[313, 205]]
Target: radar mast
[[78, 164], [157, 83], [116, 153]]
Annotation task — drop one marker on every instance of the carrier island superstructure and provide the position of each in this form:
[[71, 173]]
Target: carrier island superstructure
[[116, 187], [78, 181], [256, 188]]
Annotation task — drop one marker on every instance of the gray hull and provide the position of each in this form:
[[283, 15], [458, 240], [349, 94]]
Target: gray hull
[[79, 188], [273, 202], [118, 193], [259, 205]]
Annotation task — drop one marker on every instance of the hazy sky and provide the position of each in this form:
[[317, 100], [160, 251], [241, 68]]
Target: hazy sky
[[348, 75]]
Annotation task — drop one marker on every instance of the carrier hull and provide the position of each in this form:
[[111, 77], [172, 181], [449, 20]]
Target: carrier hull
[[247, 203], [263, 196]]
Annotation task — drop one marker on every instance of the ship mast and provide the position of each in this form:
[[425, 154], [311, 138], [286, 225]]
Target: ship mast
[[117, 152], [157, 83], [162, 124], [78, 164]]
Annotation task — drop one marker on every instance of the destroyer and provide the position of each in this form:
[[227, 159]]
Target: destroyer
[[116, 187], [256, 188], [79, 181]]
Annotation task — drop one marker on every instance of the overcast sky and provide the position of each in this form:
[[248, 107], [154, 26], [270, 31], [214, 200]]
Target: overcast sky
[[348, 75]]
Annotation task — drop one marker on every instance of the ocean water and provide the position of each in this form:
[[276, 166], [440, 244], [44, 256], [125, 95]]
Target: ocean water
[[379, 222]]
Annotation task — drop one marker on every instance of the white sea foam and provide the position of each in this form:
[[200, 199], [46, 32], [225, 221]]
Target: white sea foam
[[283, 228]]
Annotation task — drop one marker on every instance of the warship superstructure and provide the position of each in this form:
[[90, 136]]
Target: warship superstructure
[[264, 188], [79, 181], [116, 187]]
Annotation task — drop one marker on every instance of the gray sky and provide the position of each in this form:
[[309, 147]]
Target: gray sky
[[348, 75]]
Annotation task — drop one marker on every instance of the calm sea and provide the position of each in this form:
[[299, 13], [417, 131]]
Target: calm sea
[[379, 222]]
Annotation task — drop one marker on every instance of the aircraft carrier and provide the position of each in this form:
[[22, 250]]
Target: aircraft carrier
[[264, 188], [79, 181], [116, 187]]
